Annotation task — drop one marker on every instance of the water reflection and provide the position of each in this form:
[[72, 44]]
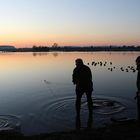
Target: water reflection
[[55, 54], [89, 121], [40, 84], [39, 53]]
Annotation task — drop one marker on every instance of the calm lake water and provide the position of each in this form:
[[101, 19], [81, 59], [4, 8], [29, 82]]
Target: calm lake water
[[37, 94]]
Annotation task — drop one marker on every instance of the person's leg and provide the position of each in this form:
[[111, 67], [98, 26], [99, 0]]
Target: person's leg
[[78, 122], [89, 100], [90, 120], [138, 107], [78, 102]]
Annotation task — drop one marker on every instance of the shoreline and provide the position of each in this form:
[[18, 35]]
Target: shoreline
[[70, 48], [127, 130]]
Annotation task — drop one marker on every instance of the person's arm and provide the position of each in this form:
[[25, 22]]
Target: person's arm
[[90, 75], [138, 82], [73, 77], [138, 86]]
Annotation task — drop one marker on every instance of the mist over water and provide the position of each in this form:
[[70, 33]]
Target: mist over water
[[37, 94]]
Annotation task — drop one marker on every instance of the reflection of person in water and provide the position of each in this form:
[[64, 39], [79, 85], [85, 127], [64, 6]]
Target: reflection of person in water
[[89, 122], [82, 78], [138, 86]]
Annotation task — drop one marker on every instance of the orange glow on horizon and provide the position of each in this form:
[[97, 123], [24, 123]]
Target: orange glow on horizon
[[21, 41]]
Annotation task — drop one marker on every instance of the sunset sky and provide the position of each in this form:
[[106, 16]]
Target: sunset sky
[[24, 23]]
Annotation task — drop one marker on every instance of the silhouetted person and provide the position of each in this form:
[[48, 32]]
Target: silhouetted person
[[138, 86], [82, 78]]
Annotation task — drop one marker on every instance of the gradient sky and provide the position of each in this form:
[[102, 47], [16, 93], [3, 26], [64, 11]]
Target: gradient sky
[[24, 23]]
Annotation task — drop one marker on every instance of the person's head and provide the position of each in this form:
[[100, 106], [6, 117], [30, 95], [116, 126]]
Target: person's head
[[138, 60], [79, 62]]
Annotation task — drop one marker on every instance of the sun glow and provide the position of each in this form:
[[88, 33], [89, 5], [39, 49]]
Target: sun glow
[[28, 23]]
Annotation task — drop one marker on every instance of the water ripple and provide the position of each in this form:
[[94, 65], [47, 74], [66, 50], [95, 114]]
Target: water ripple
[[9, 122], [107, 106], [101, 105]]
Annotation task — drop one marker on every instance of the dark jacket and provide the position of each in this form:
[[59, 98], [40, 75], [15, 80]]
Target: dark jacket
[[82, 77], [138, 79]]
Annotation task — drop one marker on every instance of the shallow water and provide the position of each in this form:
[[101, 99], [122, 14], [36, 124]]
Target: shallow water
[[37, 95]]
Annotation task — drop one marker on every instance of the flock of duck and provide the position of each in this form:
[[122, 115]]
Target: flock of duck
[[111, 67]]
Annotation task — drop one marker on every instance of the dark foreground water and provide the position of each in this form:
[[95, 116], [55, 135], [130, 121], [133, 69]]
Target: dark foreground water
[[37, 94]]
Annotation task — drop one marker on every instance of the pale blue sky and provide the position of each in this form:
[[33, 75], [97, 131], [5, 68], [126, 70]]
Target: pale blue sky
[[24, 23]]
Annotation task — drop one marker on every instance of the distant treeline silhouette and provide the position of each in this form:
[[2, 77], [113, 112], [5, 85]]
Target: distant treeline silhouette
[[55, 47], [86, 48]]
